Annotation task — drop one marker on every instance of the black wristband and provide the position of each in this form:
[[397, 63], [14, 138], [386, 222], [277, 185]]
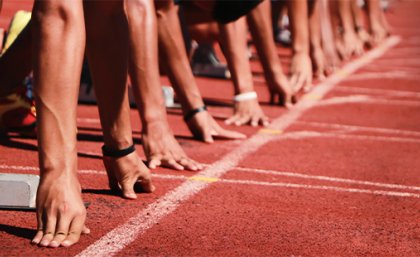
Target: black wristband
[[193, 112], [117, 153]]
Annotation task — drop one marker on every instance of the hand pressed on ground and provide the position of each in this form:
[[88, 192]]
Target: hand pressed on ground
[[162, 149], [300, 72], [61, 213], [124, 173], [248, 112], [204, 127]]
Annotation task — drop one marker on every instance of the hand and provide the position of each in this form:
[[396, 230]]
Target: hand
[[61, 213], [248, 111], [204, 127], [300, 72], [162, 149], [348, 45], [282, 88], [125, 173]]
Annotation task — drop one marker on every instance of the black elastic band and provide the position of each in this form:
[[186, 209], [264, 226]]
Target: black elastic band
[[193, 112], [117, 153]]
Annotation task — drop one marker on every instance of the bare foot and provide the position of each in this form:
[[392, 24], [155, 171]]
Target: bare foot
[[125, 173], [162, 149], [300, 72], [61, 213], [205, 128], [248, 112]]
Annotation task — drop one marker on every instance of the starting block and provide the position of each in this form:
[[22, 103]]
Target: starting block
[[18, 191]]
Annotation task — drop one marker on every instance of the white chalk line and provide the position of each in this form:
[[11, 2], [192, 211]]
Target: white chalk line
[[365, 99], [361, 128], [116, 240], [245, 169], [304, 134], [278, 184], [381, 76], [379, 91]]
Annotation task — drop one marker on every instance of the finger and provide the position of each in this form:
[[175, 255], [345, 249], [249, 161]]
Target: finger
[[40, 232], [243, 120], [254, 121], [228, 134], [172, 164], [207, 137], [76, 227], [112, 180], [231, 120], [299, 83], [63, 224], [50, 222], [293, 81], [265, 121], [85, 230], [155, 161], [145, 181], [127, 187], [190, 164]]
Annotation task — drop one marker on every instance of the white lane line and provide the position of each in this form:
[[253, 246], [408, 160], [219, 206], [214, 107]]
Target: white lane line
[[379, 91], [245, 169], [327, 178], [118, 238], [317, 187], [360, 128], [364, 99], [380, 75], [304, 134]]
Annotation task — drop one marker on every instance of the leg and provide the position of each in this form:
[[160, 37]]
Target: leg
[[58, 53], [105, 21], [159, 142]]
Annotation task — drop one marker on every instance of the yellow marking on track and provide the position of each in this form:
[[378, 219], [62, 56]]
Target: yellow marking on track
[[270, 131], [205, 179]]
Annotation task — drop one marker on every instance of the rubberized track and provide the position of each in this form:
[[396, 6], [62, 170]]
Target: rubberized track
[[338, 175]]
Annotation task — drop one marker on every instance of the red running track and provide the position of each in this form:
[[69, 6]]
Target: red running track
[[338, 175]]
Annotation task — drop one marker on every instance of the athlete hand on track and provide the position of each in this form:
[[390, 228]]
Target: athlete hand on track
[[162, 149], [124, 173], [204, 127], [283, 90], [300, 72], [248, 111], [349, 45], [61, 213]]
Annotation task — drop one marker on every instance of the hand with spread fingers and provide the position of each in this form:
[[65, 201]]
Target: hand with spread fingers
[[203, 126], [162, 149], [61, 213], [248, 112]]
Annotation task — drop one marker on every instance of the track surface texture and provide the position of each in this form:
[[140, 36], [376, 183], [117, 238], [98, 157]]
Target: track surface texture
[[337, 175]]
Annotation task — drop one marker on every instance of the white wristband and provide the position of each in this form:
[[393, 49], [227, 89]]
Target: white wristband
[[245, 96]]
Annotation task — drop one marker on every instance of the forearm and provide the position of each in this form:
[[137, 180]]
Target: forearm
[[233, 42], [174, 56], [143, 62], [262, 34], [298, 14]]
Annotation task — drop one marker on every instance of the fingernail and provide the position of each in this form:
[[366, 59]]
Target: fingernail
[[54, 244], [44, 243], [65, 244]]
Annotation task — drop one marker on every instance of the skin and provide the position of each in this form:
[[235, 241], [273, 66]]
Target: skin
[[379, 27], [300, 68], [160, 145], [174, 55], [259, 23], [58, 46], [347, 42]]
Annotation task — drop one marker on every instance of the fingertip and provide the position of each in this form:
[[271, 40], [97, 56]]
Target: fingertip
[[130, 195], [54, 244]]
